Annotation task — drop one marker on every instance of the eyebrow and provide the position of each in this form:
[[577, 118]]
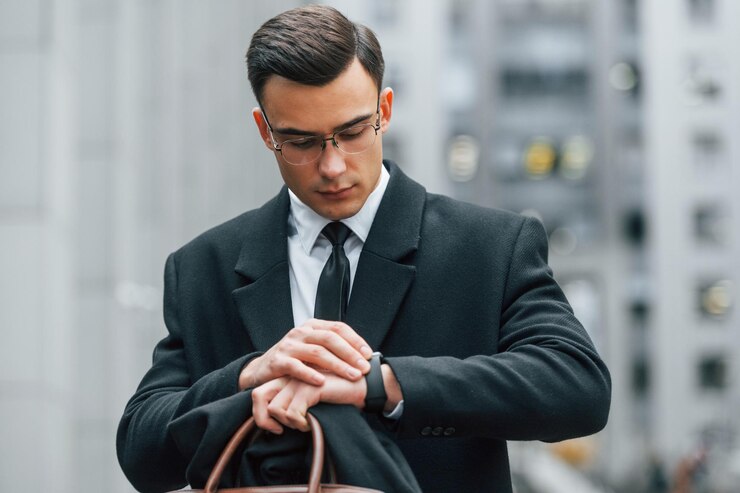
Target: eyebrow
[[343, 126]]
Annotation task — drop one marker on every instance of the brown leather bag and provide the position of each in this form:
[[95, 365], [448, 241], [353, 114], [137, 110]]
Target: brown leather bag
[[248, 431]]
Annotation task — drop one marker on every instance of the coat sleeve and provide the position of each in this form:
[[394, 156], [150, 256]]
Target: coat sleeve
[[546, 382], [146, 451]]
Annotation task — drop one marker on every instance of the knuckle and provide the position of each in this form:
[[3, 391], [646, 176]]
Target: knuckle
[[275, 410], [295, 333], [338, 327], [282, 364], [315, 352], [287, 346], [292, 366], [295, 413], [334, 329], [274, 365]]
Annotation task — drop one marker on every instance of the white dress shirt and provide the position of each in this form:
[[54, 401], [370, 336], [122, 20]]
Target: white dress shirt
[[308, 250]]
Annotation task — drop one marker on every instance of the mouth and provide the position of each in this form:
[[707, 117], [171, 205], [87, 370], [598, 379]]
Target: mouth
[[336, 194]]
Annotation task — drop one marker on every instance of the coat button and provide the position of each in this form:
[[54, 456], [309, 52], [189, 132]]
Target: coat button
[[426, 431], [449, 431], [437, 431]]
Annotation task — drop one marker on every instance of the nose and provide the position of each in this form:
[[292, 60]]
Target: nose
[[331, 163]]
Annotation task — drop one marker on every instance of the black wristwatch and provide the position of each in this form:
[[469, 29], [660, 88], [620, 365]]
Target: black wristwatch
[[375, 398]]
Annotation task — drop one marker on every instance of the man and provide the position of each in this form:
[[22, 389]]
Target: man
[[480, 346]]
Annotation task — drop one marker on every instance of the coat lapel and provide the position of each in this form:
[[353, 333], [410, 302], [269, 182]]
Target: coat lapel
[[384, 272], [264, 303]]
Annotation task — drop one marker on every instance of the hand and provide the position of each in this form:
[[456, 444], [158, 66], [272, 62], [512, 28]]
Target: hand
[[307, 351], [285, 401]]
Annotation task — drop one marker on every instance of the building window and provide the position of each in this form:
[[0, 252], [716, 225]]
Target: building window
[[640, 377], [707, 150], [701, 11], [712, 372], [711, 224]]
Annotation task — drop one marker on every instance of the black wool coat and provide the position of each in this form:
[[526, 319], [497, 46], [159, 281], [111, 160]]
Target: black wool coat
[[459, 299]]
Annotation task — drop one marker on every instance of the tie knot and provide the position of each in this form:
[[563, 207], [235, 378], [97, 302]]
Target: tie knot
[[336, 232]]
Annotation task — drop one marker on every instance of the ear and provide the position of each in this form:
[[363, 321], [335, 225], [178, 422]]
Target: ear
[[386, 108], [259, 119]]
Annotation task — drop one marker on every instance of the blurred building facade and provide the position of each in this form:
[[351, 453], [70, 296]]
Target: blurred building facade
[[126, 131], [692, 124], [613, 122]]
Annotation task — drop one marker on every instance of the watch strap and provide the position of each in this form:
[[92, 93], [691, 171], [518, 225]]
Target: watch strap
[[375, 398]]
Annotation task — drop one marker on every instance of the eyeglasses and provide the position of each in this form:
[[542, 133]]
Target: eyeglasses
[[306, 150]]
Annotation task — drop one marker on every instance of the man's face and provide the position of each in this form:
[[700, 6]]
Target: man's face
[[337, 184]]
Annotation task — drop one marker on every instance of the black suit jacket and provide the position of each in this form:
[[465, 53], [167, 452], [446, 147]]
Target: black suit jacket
[[459, 298]]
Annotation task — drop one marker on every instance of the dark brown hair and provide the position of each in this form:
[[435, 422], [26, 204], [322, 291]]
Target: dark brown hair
[[311, 45]]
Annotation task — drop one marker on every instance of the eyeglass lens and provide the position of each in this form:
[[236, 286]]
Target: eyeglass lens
[[353, 140]]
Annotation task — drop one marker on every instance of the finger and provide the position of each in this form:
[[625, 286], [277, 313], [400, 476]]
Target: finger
[[345, 332], [279, 361], [261, 398], [278, 406], [322, 359], [331, 352], [305, 397], [322, 349], [297, 418], [293, 366]]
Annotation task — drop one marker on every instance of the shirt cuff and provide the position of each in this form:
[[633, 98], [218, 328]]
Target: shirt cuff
[[396, 413]]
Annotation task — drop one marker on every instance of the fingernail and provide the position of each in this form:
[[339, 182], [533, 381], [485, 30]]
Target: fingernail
[[363, 363], [353, 372], [318, 379], [366, 351]]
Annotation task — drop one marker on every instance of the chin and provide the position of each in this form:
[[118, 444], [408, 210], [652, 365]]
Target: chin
[[338, 213], [337, 216]]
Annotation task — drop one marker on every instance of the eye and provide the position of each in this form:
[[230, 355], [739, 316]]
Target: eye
[[302, 144], [352, 132]]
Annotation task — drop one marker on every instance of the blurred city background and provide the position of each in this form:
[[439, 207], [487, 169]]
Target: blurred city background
[[125, 130]]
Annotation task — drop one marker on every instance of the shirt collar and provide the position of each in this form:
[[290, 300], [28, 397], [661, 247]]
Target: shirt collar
[[308, 224]]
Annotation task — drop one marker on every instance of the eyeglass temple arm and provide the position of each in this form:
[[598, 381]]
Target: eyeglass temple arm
[[275, 145]]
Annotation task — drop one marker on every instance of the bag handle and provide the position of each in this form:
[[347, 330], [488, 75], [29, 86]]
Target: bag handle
[[249, 427]]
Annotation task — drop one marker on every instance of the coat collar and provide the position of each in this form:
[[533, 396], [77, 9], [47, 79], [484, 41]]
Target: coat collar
[[395, 232], [264, 245], [384, 274]]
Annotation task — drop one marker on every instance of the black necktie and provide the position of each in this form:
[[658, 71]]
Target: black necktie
[[333, 290]]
